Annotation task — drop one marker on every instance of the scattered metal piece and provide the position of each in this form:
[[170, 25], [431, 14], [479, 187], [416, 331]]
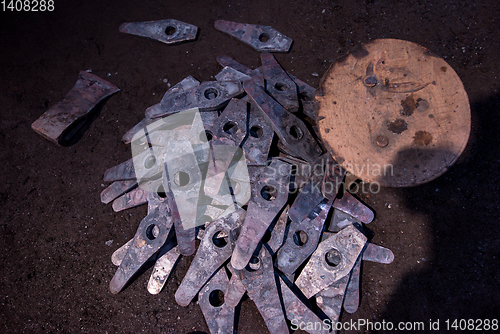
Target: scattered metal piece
[[269, 196], [231, 126], [351, 299], [162, 269], [212, 252], [123, 171], [333, 178], [332, 260], [423, 112], [310, 195], [234, 292], [63, 121], [219, 316], [230, 74], [378, 254], [306, 97], [291, 131], [330, 300], [296, 310], [302, 239], [116, 189], [340, 220], [166, 31], [278, 84], [354, 207], [261, 38], [278, 232], [209, 95], [145, 243], [133, 198], [259, 139], [226, 61], [260, 283], [119, 254]]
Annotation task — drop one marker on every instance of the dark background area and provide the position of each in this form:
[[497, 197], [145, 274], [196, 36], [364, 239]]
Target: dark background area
[[55, 264]]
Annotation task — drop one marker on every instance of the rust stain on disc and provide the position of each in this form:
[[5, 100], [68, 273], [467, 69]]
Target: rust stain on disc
[[400, 113]]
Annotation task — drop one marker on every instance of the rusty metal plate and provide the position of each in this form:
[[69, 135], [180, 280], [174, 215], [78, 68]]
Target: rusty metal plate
[[393, 112], [63, 121], [166, 31]]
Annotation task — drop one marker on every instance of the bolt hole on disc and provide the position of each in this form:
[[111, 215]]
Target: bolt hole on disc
[[230, 128], [211, 93], [333, 258], [269, 193], [161, 191], [305, 97], [170, 30], [150, 161], [280, 86], [181, 178], [205, 136], [219, 239], [296, 132], [216, 298], [256, 131], [263, 37], [300, 238], [254, 264], [152, 232]]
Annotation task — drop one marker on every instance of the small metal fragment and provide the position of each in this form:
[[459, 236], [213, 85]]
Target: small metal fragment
[[269, 196], [261, 38], [333, 178], [210, 95], [351, 299], [354, 207], [219, 316], [230, 74], [235, 291], [163, 267], [133, 198], [332, 260], [278, 84], [330, 300], [302, 239], [119, 254], [116, 189], [166, 31], [226, 61], [278, 232], [306, 97], [210, 256], [378, 254], [123, 171], [73, 114], [290, 129], [260, 283], [296, 310]]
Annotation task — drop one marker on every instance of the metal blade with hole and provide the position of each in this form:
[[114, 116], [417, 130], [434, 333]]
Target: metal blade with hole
[[269, 196], [260, 283], [209, 95], [291, 130], [219, 316], [297, 311], [116, 189], [332, 260], [231, 126], [278, 84], [261, 38], [145, 243], [260, 137], [65, 119], [211, 255], [166, 31], [302, 239]]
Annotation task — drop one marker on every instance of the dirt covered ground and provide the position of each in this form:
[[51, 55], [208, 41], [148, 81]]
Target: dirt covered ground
[[53, 228]]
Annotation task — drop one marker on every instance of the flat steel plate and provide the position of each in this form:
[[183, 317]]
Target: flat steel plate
[[393, 112]]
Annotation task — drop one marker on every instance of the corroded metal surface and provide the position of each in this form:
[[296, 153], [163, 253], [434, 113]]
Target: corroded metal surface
[[166, 31], [343, 248], [394, 113], [116, 189], [291, 130], [259, 138], [269, 196], [133, 198], [354, 207], [261, 38], [163, 267], [278, 84], [62, 121]]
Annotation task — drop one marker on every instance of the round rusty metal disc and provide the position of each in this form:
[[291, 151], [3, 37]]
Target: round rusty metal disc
[[394, 113]]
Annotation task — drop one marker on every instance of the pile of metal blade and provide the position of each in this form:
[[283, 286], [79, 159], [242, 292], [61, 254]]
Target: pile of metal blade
[[294, 246]]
